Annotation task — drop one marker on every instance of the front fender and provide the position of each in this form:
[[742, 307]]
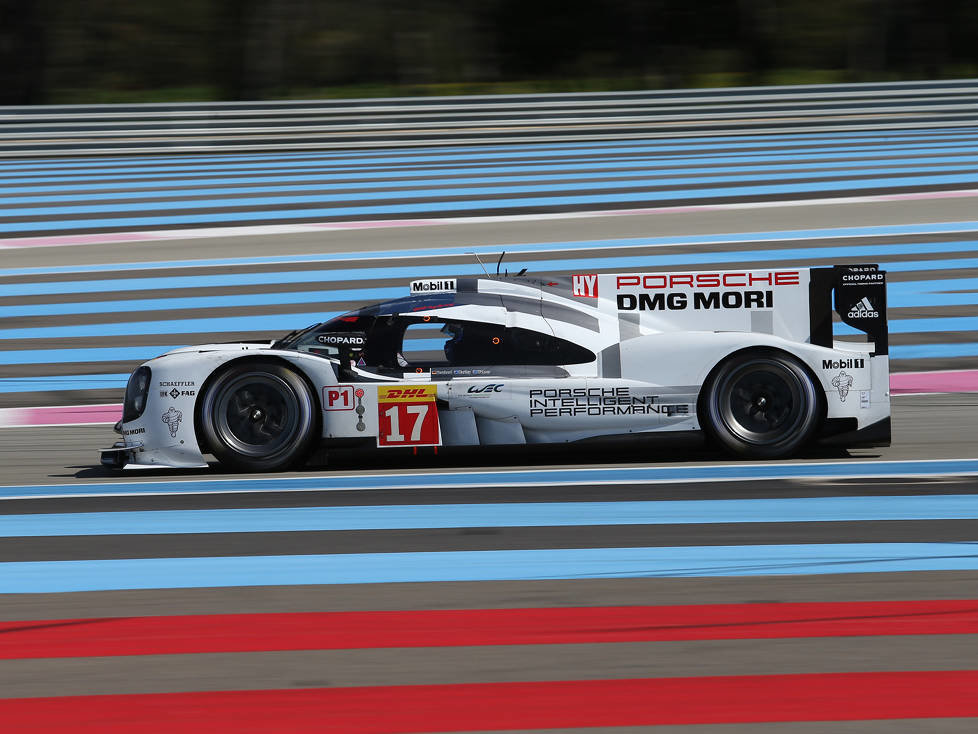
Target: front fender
[[167, 429]]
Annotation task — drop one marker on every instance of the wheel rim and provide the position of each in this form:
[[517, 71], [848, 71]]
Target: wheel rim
[[257, 414], [762, 402]]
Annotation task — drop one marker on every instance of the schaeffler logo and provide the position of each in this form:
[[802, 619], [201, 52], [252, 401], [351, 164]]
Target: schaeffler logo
[[842, 382], [863, 310]]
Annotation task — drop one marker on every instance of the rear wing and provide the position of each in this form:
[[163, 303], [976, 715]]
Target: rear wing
[[858, 294]]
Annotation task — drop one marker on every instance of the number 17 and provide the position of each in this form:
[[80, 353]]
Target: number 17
[[417, 410]]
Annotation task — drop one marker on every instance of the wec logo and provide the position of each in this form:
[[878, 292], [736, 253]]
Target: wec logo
[[485, 389]]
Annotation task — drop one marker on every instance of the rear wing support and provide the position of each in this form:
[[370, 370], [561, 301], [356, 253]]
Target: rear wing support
[[858, 294]]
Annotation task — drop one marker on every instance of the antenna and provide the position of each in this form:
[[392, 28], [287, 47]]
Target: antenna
[[478, 260], [500, 262]]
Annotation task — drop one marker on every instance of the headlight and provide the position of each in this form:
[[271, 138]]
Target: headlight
[[136, 391]]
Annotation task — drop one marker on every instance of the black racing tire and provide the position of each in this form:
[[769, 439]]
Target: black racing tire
[[761, 404], [258, 416]]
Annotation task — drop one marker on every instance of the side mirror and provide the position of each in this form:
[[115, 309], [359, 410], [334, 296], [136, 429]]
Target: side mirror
[[349, 348]]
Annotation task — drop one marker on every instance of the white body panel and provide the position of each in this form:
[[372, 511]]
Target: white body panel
[[656, 338]]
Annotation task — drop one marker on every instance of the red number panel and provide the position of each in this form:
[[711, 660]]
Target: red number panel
[[407, 416]]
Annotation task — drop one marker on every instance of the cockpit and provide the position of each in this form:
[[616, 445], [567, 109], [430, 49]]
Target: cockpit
[[417, 334]]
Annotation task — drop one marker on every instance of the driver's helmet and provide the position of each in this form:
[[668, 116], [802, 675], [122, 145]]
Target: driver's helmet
[[451, 346]]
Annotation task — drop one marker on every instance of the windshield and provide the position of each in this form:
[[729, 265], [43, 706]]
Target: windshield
[[290, 339]]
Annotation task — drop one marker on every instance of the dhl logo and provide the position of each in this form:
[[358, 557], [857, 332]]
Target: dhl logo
[[414, 394]]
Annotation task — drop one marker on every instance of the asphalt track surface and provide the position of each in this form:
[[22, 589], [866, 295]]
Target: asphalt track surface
[[925, 427]]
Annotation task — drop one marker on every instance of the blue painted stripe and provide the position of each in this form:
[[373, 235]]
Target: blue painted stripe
[[386, 176], [510, 515], [287, 171], [906, 176], [933, 351], [749, 145], [506, 565], [480, 181], [623, 263], [899, 295], [589, 245], [450, 203], [63, 382], [913, 326], [533, 477], [87, 354], [447, 206], [207, 303], [274, 323], [287, 321]]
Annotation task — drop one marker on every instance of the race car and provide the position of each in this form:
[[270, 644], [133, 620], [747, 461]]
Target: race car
[[747, 359]]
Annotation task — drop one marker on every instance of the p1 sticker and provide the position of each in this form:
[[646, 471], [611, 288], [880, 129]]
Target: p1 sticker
[[407, 416], [338, 397]]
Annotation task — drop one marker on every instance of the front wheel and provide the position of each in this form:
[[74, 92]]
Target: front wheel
[[761, 405], [258, 416]]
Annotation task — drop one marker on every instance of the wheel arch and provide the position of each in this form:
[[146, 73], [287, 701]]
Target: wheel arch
[[760, 349], [253, 359]]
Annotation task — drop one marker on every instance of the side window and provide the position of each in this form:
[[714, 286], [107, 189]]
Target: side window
[[471, 342], [438, 343], [424, 343]]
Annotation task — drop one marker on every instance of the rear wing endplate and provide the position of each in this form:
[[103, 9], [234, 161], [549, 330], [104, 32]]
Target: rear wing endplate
[[858, 294]]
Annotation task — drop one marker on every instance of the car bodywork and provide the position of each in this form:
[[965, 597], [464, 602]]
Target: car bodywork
[[519, 360]]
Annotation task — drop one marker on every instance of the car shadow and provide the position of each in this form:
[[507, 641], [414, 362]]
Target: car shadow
[[486, 457]]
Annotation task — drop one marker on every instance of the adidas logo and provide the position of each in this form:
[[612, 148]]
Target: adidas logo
[[863, 310]]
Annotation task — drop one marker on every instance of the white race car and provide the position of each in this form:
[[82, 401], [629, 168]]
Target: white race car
[[746, 358]]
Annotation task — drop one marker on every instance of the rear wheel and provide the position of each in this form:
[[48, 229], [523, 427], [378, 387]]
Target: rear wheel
[[761, 405], [258, 416]]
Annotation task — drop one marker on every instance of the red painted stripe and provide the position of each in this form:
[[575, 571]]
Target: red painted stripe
[[446, 628], [501, 706]]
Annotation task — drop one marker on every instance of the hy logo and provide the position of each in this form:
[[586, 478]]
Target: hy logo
[[585, 286], [863, 309]]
